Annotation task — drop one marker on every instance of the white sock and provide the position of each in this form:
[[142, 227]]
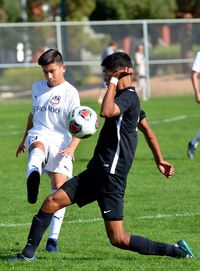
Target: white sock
[[56, 222], [35, 159], [196, 140]]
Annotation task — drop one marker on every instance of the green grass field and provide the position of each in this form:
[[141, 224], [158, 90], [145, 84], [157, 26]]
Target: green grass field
[[155, 207]]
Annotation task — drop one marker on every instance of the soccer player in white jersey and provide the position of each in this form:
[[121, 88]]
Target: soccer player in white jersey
[[46, 138], [192, 145]]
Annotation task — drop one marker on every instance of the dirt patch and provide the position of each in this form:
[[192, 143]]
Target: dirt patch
[[171, 85], [162, 85]]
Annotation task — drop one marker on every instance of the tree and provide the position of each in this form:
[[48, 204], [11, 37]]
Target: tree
[[131, 10], [79, 9], [188, 8], [3, 16], [10, 11], [40, 10], [13, 10]]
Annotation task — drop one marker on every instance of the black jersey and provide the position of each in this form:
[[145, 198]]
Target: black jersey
[[117, 141]]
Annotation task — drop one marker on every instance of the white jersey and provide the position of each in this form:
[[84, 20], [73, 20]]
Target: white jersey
[[50, 108], [196, 63]]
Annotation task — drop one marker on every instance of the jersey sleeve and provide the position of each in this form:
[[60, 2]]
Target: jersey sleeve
[[142, 115], [73, 100], [34, 88], [196, 63], [125, 99]]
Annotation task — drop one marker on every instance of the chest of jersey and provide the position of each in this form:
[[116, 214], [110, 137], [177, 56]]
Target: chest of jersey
[[48, 102]]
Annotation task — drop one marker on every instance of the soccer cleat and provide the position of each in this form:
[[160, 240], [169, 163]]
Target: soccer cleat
[[33, 183], [21, 258], [185, 250], [51, 245], [191, 151]]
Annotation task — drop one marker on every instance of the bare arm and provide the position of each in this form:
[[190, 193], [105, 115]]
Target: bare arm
[[195, 83], [29, 125], [164, 167], [109, 108]]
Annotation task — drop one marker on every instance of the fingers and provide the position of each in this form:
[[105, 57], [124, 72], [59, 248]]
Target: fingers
[[123, 72], [169, 172], [19, 150], [66, 154], [166, 169], [130, 71], [127, 71]]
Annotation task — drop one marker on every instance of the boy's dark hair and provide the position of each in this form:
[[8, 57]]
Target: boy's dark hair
[[49, 57], [116, 60]]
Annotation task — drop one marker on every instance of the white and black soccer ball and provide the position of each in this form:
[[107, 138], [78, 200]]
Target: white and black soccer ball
[[82, 122]]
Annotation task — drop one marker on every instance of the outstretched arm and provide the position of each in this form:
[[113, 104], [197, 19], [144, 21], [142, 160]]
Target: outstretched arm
[[195, 83], [164, 167], [29, 125]]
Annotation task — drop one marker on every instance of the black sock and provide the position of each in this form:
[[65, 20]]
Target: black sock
[[148, 247], [40, 223]]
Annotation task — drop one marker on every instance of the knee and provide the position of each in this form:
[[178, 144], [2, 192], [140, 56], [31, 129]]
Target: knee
[[57, 183], [50, 204], [49, 200]]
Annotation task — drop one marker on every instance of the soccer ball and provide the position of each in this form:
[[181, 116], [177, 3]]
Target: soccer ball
[[82, 122]]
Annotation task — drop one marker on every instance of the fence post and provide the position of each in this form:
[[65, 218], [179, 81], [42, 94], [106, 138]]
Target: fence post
[[146, 52], [59, 37]]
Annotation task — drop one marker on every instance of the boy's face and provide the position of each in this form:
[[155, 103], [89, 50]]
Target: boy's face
[[54, 74]]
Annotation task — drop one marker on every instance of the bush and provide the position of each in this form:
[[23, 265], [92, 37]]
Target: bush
[[165, 52], [20, 77]]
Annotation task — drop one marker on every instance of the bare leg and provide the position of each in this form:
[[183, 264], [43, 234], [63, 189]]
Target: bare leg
[[116, 234], [56, 201], [119, 238]]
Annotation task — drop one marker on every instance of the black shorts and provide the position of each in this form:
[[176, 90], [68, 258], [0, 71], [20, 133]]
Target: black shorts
[[107, 189]]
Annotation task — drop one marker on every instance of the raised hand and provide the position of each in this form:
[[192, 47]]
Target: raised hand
[[123, 72]]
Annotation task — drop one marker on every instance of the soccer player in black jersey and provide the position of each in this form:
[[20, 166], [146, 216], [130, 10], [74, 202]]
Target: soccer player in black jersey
[[104, 179]]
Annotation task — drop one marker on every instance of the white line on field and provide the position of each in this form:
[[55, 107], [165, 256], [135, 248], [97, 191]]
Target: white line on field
[[168, 120], [167, 215], [11, 133], [91, 220]]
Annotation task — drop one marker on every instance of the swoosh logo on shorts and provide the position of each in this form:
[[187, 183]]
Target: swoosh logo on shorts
[[105, 212]]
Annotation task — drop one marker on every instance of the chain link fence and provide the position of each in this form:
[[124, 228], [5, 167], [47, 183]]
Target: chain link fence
[[170, 46]]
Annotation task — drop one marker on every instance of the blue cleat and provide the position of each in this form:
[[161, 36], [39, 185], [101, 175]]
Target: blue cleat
[[191, 151], [184, 249], [51, 245]]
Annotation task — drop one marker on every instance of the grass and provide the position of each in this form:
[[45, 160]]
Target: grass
[[155, 207]]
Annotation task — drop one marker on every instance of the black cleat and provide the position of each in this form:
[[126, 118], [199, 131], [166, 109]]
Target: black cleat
[[191, 151], [51, 245], [33, 183]]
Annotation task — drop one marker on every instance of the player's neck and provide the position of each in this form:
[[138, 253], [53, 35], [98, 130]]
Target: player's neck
[[125, 82]]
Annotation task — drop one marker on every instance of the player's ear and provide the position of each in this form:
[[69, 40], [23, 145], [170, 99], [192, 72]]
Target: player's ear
[[64, 67]]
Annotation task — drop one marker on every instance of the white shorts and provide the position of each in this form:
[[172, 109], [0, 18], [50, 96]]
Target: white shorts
[[54, 162]]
